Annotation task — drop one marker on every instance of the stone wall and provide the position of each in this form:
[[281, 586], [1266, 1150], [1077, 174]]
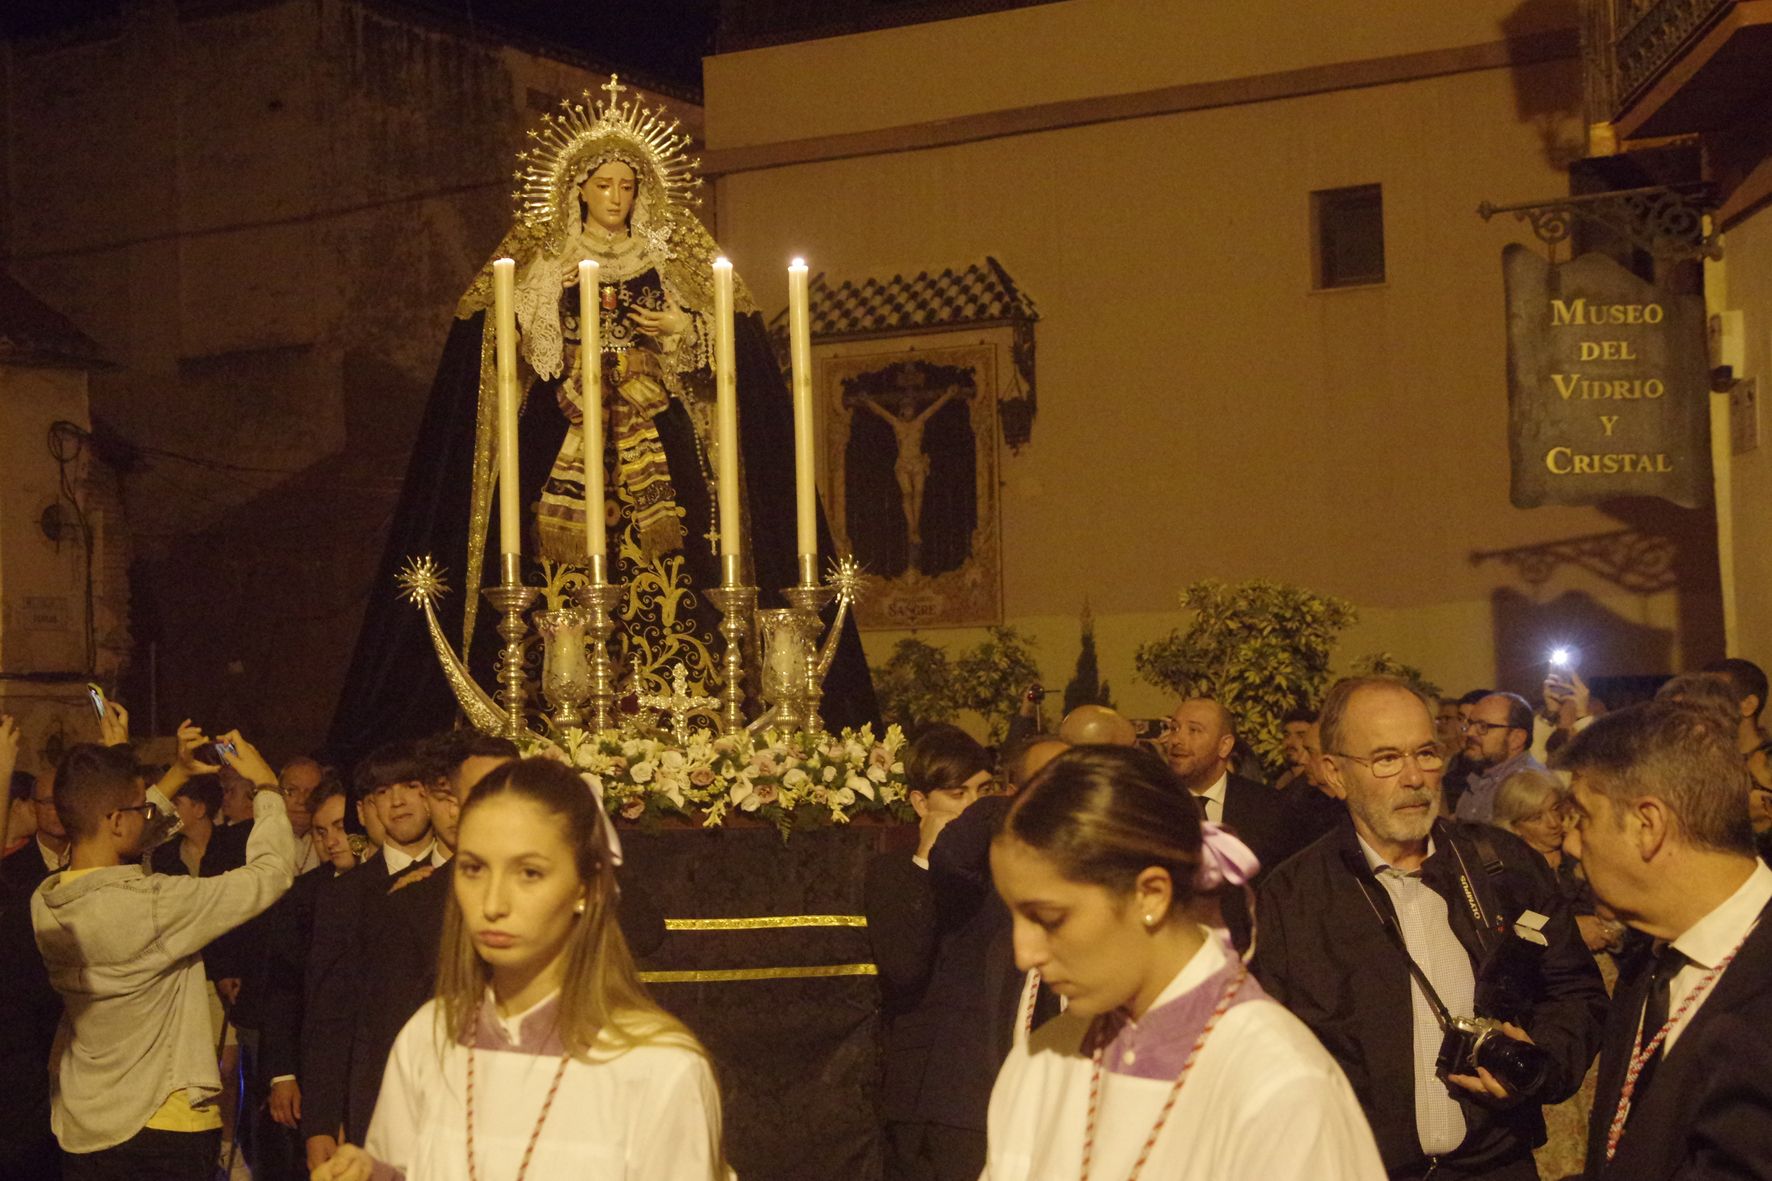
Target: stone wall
[[265, 213]]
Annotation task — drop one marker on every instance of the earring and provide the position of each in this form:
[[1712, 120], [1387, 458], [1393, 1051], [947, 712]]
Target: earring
[[1150, 920], [580, 908]]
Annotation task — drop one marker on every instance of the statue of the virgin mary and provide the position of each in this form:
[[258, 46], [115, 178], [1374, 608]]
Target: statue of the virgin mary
[[606, 179]]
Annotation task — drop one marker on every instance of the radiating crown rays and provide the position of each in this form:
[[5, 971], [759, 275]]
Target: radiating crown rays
[[588, 128]]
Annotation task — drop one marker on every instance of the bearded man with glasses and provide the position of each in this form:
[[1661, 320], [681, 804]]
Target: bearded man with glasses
[[1497, 745], [1396, 895]]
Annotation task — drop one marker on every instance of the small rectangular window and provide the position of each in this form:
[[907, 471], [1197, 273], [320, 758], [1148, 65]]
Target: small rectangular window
[[1347, 233]]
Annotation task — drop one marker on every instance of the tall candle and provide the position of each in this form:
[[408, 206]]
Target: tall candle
[[805, 462], [590, 355], [504, 312], [726, 416]]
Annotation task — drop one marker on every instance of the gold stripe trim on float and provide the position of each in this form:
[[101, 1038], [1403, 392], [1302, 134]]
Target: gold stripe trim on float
[[767, 922], [723, 975]]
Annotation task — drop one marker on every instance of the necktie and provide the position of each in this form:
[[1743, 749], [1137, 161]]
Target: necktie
[[1668, 963]]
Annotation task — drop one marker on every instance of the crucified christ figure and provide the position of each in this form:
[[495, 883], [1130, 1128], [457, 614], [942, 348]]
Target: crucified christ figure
[[911, 466]]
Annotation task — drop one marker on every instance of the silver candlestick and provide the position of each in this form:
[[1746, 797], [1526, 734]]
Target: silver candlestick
[[511, 598], [599, 597], [736, 604]]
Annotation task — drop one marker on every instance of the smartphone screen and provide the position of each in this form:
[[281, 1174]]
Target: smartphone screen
[[97, 697]]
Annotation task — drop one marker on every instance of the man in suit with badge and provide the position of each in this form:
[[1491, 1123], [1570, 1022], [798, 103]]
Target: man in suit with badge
[[1661, 828]]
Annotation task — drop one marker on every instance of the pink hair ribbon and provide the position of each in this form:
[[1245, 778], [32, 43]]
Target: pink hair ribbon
[[611, 839], [1223, 858]]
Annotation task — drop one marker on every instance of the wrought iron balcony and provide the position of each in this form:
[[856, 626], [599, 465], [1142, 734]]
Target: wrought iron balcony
[[1675, 67], [1652, 34]]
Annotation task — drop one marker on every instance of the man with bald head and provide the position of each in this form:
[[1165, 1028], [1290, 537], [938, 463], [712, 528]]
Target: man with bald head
[[1201, 736], [1089, 725], [297, 781]]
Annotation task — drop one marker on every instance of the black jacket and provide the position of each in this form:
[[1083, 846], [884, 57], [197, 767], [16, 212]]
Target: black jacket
[[1322, 953], [343, 909], [1707, 1112], [279, 985], [30, 1011], [21, 872], [1258, 814], [942, 940]]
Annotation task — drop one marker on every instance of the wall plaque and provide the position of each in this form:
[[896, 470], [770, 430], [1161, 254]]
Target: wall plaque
[[1608, 384]]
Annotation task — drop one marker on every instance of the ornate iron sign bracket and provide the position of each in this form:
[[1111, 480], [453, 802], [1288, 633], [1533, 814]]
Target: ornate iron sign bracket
[[1643, 563], [1667, 222]]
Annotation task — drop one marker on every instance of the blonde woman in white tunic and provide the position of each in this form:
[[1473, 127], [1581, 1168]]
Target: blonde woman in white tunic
[[541, 1057], [1169, 1061]]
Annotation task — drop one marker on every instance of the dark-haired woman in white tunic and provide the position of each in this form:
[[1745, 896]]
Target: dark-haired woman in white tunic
[[1169, 1061]]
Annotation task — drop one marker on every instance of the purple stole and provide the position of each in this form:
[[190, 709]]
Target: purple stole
[[1158, 1045]]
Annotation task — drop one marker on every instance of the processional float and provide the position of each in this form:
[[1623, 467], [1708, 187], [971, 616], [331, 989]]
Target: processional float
[[791, 647]]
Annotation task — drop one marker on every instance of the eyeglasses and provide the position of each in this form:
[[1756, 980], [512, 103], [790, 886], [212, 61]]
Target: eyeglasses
[[147, 811], [1390, 764], [1481, 729]]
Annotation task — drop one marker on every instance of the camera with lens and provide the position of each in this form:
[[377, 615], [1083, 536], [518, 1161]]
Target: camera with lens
[[1479, 1042]]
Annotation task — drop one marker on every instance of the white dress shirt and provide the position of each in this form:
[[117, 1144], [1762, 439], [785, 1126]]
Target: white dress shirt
[[1427, 933], [52, 861], [398, 861], [1212, 799], [1706, 942]]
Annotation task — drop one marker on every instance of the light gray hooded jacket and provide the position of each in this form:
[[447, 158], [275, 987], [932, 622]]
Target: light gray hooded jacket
[[122, 949]]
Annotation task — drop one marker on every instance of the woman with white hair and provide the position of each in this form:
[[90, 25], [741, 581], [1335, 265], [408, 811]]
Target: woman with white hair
[[1534, 805]]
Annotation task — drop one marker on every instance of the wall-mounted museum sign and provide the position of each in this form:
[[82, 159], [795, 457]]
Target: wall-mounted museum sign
[[1608, 384]]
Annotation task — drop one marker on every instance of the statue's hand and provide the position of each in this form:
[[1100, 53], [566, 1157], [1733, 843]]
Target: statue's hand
[[672, 321]]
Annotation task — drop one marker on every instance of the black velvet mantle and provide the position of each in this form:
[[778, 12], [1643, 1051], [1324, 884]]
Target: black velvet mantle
[[394, 689]]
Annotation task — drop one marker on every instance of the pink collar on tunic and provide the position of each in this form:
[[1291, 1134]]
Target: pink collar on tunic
[[537, 1031], [1156, 1047]]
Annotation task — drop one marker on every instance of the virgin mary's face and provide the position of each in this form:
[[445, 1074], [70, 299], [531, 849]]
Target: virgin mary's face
[[609, 196]]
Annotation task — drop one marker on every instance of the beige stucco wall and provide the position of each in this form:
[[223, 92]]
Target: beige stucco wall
[[42, 583], [1202, 412], [1076, 49], [1743, 282]]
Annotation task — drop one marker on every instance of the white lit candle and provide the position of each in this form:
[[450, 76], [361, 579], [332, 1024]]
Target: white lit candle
[[590, 355], [726, 418], [504, 311], [805, 462]]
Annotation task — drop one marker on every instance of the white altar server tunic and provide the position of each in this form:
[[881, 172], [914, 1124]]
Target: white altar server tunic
[[1263, 1102], [649, 1114]]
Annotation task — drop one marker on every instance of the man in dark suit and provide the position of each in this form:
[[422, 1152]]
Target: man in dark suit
[[277, 986], [25, 868], [1202, 735], [394, 782], [1477, 912], [947, 973], [1661, 828], [30, 1012], [397, 961]]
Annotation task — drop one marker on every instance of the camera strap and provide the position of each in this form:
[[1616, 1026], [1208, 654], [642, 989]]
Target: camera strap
[[1388, 923]]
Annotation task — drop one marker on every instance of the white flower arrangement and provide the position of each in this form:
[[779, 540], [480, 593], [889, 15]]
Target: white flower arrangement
[[788, 779]]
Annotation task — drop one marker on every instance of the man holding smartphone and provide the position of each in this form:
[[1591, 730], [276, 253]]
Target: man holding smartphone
[[137, 1086]]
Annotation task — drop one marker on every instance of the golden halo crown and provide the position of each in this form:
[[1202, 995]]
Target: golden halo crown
[[564, 144]]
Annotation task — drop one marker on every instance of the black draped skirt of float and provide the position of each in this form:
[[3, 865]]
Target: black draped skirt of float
[[394, 689]]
